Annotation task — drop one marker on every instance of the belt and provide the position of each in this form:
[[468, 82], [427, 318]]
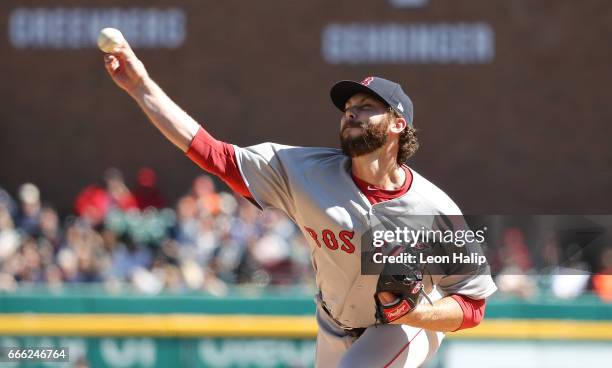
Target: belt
[[354, 332]]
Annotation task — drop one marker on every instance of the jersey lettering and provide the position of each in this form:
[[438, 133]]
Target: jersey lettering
[[346, 237], [331, 240], [313, 235]]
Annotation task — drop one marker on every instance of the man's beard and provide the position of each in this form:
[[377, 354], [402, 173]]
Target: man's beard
[[373, 137]]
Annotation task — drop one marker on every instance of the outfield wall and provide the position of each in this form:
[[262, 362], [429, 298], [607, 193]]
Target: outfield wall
[[278, 329]]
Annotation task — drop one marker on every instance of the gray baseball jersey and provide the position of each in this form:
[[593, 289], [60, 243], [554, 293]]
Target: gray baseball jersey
[[314, 187]]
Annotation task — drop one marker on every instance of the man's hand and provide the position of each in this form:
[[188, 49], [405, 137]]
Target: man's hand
[[397, 295], [386, 297], [125, 68]]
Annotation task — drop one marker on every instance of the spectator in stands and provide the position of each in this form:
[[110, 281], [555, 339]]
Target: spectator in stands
[[186, 227], [92, 204], [118, 192], [81, 253], [88, 260], [128, 256], [206, 240], [517, 263], [230, 252], [9, 237], [7, 202], [207, 199], [29, 268], [147, 194], [29, 216], [602, 281], [246, 226], [50, 231]]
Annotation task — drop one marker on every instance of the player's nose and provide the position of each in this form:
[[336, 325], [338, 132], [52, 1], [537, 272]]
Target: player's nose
[[349, 114]]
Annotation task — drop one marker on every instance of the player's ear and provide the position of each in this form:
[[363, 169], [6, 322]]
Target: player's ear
[[398, 125]]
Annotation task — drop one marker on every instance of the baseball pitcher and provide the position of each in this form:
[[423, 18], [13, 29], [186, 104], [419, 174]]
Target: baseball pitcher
[[335, 197]]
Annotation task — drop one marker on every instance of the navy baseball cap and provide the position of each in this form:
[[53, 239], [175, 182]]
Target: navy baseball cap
[[389, 92]]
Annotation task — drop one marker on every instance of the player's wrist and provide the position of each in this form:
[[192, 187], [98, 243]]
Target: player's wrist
[[411, 317], [142, 87]]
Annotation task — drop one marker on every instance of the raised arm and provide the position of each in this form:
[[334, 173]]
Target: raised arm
[[212, 155], [130, 74]]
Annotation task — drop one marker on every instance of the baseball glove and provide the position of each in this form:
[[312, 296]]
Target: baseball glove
[[407, 286]]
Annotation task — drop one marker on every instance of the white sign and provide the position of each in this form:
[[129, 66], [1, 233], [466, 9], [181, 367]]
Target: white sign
[[409, 3], [78, 28], [398, 43], [256, 352]]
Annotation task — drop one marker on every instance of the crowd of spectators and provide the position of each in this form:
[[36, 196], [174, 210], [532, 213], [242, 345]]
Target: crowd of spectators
[[210, 239], [120, 236]]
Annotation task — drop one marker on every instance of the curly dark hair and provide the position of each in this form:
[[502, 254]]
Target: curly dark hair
[[408, 142]]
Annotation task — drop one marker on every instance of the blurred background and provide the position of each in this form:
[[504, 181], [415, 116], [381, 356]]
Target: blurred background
[[101, 217]]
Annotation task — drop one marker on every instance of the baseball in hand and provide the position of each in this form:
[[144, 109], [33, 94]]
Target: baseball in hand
[[110, 38]]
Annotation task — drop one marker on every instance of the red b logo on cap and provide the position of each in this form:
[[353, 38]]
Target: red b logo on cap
[[366, 82]]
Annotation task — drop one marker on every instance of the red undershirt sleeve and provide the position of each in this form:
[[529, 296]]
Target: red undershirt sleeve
[[473, 310], [218, 158]]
